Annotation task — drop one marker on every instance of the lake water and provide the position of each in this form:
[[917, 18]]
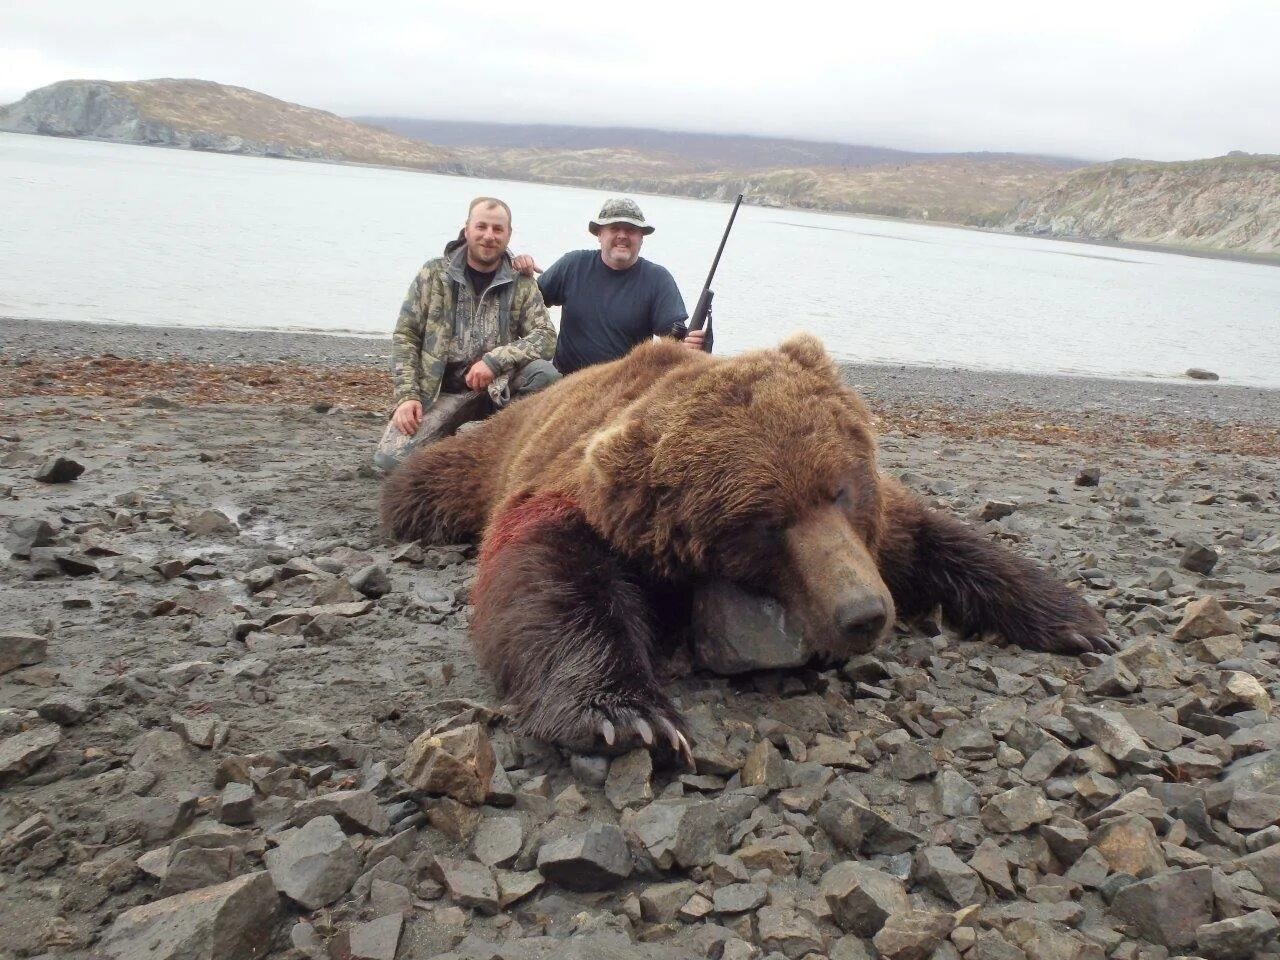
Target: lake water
[[110, 232]]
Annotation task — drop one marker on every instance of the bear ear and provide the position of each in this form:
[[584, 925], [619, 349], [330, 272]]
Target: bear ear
[[807, 350], [621, 453]]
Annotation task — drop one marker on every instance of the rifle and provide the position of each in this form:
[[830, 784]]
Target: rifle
[[702, 312]]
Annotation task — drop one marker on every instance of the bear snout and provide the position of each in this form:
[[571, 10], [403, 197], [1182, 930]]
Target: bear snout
[[861, 620]]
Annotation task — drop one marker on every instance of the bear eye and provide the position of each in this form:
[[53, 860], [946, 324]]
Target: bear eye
[[841, 497]]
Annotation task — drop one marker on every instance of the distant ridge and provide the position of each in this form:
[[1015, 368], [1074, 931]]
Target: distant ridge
[[735, 151], [1223, 205]]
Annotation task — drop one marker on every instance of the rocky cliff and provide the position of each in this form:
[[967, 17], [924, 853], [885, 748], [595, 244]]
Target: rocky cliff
[[1229, 203], [201, 115]]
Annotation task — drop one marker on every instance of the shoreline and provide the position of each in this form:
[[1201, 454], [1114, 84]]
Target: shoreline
[[145, 365], [1205, 253]]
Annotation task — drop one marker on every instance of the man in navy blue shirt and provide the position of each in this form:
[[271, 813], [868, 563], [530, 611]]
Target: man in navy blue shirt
[[612, 299]]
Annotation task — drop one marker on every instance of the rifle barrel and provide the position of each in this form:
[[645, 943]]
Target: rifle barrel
[[716, 262]]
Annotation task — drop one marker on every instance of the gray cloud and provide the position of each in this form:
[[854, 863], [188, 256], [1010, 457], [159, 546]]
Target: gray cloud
[[1095, 79]]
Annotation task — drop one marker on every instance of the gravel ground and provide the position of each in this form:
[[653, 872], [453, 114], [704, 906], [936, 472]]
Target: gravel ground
[[212, 667], [977, 391]]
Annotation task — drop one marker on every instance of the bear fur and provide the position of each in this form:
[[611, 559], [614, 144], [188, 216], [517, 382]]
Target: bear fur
[[603, 499]]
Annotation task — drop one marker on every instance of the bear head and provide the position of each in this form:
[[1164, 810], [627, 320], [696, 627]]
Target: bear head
[[759, 469]]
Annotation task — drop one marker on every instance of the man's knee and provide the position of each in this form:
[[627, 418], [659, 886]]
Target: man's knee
[[534, 376], [439, 420]]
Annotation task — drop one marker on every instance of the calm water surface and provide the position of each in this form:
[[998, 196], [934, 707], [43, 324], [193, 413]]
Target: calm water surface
[[109, 232]]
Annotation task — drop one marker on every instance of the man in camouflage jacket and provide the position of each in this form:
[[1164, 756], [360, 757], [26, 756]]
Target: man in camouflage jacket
[[472, 335]]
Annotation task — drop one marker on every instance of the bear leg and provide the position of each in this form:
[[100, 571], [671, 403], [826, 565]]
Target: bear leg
[[928, 560], [440, 494], [563, 625]]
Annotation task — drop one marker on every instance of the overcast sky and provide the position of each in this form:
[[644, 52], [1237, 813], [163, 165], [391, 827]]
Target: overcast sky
[[1122, 78]]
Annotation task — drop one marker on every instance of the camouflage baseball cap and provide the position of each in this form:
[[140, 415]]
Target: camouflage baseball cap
[[620, 210]]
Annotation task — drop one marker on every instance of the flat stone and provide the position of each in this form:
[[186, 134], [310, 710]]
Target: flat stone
[[739, 897], [192, 867], [315, 864], [970, 740], [861, 898], [661, 902], [989, 862], [781, 928], [375, 940], [514, 886], [211, 523], [21, 650], [1265, 866], [912, 762], [737, 631], [1045, 761], [1252, 810], [1110, 731], [1203, 618], [22, 753], [677, 833], [1016, 810], [913, 934], [236, 804], [1237, 938], [627, 784], [355, 810], [596, 859], [458, 763], [1169, 908], [230, 921], [857, 827], [498, 841], [954, 796], [470, 884], [1214, 650], [1111, 678], [1129, 845], [939, 869]]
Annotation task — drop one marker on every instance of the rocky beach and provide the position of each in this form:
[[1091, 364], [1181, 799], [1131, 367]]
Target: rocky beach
[[237, 721]]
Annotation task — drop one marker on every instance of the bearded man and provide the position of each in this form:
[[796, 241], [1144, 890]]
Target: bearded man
[[473, 334]]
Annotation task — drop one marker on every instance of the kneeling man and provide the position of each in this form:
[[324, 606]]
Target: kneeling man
[[472, 335]]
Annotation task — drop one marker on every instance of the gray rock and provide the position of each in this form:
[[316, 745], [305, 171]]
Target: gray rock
[[26, 534], [236, 804], [969, 739], [781, 928], [597, 859], [1111, 732], [1109, 679], [913, 934], [1265, 865], [661, 902], [1198, 373], [739, 897], [470, 884], [856, 827], [764, 767], [375, 940], [21, 754], [498, 840], [1046, 760], [912, 762], [21, 650], [861, 898], [59, 470], [1198, 558], [192, 867], [939, 869], [628, 782], [372, 581], [353, 809], [1016, 810], [1237, 938], [1169, 908], [954, 796], [315, 865], [735, 631], [684, 833], [230, 921]]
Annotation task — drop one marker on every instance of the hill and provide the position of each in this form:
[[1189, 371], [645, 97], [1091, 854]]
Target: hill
[[1229, 203], [202, 115]]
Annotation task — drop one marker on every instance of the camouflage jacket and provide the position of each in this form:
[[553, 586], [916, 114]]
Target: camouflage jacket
[[442, 321]]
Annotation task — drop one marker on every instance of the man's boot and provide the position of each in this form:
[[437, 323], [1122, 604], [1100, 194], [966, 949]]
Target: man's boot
[[439, 420]]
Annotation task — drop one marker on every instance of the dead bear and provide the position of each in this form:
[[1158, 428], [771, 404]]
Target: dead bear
[[601, 499]]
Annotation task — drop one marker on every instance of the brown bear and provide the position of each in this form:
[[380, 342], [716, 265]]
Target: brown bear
[[602, 499]]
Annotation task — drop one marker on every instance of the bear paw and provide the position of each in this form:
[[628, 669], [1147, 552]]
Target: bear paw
[[616, 724]]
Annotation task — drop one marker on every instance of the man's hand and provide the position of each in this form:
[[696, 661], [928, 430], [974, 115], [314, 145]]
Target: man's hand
[[693, 339], [525, 264], [479, 376], [408, 417]]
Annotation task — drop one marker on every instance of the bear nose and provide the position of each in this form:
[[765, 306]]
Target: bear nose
[[860, 620]]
